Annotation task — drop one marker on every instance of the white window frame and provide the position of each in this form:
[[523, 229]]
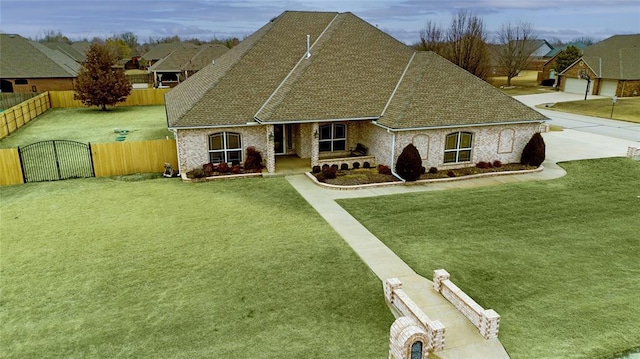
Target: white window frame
[[225, 150], [458, 149], [333, 139]]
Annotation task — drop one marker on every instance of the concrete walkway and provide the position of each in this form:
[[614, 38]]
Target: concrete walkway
[[462, 339]]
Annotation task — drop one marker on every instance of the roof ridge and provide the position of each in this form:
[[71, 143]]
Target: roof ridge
[[300, 67]]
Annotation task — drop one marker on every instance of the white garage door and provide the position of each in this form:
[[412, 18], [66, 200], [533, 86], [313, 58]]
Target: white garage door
[[577, 86], [608, 87]]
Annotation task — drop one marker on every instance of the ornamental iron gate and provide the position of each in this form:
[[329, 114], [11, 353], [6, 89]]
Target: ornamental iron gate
[[55, 160]]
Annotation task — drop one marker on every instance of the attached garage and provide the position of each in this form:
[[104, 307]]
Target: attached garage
[[573, 85], [608, 87]]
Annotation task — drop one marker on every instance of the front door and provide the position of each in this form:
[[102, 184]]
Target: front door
[[282, 139]]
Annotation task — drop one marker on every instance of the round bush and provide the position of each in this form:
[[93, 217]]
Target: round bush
[[533, 153], [409, 163], [433, 170], [497, 163]]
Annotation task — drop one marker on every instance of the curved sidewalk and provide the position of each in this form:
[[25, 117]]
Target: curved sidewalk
[[462, 339]]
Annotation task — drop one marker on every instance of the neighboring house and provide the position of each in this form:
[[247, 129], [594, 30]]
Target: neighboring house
[[82, 46], [77, 55], [548, 69], [27, 66], [355, 85], [159, 51], [542, 48], [183, 62], [612, 67]]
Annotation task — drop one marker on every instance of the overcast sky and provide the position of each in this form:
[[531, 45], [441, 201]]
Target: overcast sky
[[403, 19]]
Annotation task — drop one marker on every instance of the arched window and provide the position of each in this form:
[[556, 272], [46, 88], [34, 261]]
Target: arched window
[[333, 137], [225, 147], [416, 350], [457, 147]]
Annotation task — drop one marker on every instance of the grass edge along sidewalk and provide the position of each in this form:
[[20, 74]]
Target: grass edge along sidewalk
[[137, 267], [625, 109], [556, 259]]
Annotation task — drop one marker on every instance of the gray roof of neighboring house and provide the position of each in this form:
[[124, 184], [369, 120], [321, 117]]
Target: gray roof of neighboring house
[[161, 50], [617, 57], [22, 58], [189, 57], [353, 72], [82, 46], [72, 52]]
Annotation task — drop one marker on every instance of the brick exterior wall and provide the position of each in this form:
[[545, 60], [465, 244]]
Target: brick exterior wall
[[628, 88], [193, 145], [574, 72], [44, 84], [490, 143]]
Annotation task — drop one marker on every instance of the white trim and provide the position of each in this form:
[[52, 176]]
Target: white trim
[[204, 127], [457, 126], [398, 84], [319, 120]]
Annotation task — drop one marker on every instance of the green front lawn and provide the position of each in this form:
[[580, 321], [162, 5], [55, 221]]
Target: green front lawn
[[625, 109], [526, 83], [138, 267], [558, 260], [92, 125]]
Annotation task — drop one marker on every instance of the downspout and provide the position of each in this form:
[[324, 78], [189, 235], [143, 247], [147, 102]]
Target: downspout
[[393, 156]]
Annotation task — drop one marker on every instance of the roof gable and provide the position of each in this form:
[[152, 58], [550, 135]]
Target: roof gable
[[22, 58], [615, 58]]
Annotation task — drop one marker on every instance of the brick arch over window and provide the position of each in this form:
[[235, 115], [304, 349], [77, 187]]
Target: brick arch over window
[[505, 141], [458, 147], [225, 147]]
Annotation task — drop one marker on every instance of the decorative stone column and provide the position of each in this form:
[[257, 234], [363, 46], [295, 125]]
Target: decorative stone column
[[390, 285], [271, 153], [315, 146], [490, 323], [439, 275]]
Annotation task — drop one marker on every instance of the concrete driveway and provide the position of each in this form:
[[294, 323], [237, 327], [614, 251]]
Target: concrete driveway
[[600, 126]]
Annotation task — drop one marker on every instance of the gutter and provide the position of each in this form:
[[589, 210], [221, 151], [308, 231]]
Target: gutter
[[456, 126]]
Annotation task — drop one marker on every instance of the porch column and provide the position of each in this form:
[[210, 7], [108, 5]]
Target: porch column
[[315, 146], [271, 154]]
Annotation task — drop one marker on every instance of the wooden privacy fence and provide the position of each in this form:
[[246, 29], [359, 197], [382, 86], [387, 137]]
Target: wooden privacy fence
[[10, 169], [17, 116], [109, 159], [149, 96], [120, 158]]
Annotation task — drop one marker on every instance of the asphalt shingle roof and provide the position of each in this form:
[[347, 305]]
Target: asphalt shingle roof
[[22, 58], [617, 57], [352, 73]]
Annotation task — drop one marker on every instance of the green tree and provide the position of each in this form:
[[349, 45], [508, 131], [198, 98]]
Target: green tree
[[98, 83], [566, 57], [118, 48]]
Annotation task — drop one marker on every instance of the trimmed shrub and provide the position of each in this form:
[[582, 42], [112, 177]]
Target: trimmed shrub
[[325, 166], [316, 169], [208, 169], [329, 172], [356, 165], [533, 153], [548, 82], [223, 167], [195, 173], [236, 169], [335, 167], [366, 165], [433, 170], [482, 164], [344, 167], [489, 164], [409, 163], [451, 174], [253, 161], [497, 164], [384, 170]]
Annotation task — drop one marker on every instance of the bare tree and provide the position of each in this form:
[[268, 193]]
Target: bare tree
[[467, 44], [463, 43], [587, 40], [516, 46], [432, 38]]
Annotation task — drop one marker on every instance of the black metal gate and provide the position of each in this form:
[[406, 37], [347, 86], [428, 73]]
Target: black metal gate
[[55, 160]]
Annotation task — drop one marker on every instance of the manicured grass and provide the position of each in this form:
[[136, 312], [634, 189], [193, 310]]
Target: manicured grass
[[92, 125], [558, 260], [141, 267], [524, 84], [625, 109]]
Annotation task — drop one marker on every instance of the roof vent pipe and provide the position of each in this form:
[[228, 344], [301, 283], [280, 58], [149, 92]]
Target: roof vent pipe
[[308, 54]]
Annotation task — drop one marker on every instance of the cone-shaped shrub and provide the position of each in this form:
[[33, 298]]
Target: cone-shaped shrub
[[534, 152], [409, 165]]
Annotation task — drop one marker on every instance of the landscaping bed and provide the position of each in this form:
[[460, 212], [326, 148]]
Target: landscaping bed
[[382, 174]]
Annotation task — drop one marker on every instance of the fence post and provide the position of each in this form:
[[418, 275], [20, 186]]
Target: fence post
[[439, 275]]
